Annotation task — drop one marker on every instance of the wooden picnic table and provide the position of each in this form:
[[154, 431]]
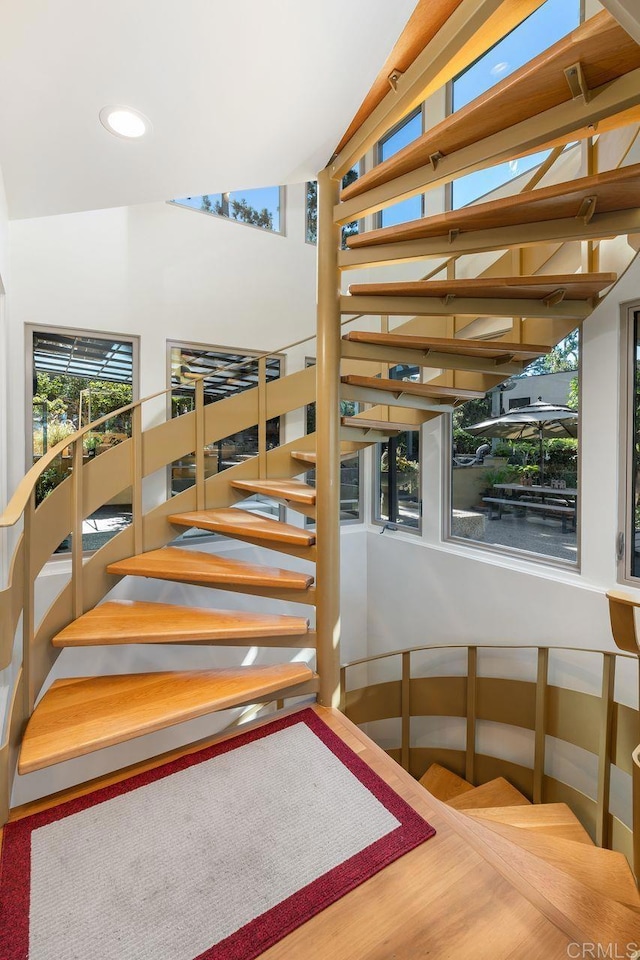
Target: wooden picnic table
[[546, 500]]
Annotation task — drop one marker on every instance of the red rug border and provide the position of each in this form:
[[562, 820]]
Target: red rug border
[[263, 932]]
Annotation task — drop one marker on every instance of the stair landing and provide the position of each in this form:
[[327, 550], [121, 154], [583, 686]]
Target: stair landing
[[451, 897]]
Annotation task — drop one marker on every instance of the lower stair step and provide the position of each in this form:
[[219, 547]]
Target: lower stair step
[[78, 716], [293, 490], [243, 524], [443, 784], [132, 621], [495, 793], [208, 569], [347, 450], [550, 819], [383, 426], [602, 870]]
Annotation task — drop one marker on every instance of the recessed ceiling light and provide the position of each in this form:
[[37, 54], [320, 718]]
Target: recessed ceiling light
[[124, 122]]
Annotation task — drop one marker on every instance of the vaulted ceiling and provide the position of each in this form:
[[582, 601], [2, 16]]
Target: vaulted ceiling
[[240, 94]]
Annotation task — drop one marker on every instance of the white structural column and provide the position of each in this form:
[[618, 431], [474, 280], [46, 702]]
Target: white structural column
[[328, 445]]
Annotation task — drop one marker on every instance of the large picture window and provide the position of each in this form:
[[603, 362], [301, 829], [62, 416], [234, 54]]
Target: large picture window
[[397, 476], [548, 24], [629, 545], [78, 377], [226, 373], [514, 463]]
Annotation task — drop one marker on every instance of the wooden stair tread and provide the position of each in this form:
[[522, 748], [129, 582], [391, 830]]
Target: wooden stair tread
[[210, 569], [553, 819], [412, 388], [443, 784], [387, 426], [495, 793], [487, 349], [575, 286], [603, 870], [243, 523], [78, 716], [615, 190], [285, 489], [603, 48], [310, 456], [133, 621]]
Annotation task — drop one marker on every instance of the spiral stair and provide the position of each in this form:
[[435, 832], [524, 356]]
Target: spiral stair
[[532, 882]]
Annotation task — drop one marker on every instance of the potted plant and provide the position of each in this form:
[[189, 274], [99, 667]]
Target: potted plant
[[91, 444]]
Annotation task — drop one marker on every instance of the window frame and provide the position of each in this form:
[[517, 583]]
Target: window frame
[[282, 206], [182, 344], [377, 155], [624, 552], [34, 328], [540, 559]]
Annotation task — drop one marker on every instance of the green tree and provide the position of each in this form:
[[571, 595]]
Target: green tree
[[564, 356]]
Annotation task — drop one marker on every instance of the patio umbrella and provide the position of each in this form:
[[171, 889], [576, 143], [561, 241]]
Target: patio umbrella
[[536, 420]]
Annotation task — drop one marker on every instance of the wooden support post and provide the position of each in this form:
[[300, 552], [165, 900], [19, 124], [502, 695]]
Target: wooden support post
[[540, 724], [199, 451], [262, 418], [28, 612], [603, 838], [406, 708], [472, 673], [328, 445], [77, 498], [136, 479]]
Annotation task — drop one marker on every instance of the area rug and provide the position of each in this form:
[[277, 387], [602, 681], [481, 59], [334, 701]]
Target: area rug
[[215, 856]]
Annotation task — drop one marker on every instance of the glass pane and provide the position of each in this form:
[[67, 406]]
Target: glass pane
[[226, 374], [349, 469], [548, 24], [552, 21], [635, 512], [311, 211], [410, 209], [514, 482], [399, 468], [78, 379], [258, 207]]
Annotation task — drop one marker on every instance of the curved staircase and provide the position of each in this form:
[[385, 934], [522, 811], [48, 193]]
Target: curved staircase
[[470, 334]]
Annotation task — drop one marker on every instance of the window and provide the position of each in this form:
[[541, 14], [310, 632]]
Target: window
[[257, 208], [514, 479], [398, 480], [406, 132], [77, 377], [548, 24], [631, 400], [311, 210], [226, 374], [350, 468]]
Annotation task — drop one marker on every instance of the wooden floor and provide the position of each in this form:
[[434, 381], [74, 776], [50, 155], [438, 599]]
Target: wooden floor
[[461, 894]]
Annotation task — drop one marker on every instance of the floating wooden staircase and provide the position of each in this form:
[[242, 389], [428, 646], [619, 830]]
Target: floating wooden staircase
[[536, 836], [599, 53]]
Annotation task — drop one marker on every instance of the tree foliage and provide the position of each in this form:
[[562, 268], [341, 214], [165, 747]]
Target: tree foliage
[[564, 356], [60, 395], [240, 210]]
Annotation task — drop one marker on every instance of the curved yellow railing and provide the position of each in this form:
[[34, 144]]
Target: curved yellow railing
[[600, 725]]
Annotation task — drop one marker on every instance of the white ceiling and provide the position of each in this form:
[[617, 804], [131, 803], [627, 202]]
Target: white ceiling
[[240, 94]]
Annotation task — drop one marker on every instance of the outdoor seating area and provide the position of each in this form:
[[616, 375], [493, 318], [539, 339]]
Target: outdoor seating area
[[550, 502]]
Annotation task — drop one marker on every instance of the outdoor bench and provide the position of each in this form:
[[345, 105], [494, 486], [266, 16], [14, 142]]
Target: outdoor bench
[[566, 514]]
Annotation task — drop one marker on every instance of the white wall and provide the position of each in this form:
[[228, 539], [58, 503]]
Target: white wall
[[423, 589], [160, 272]]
